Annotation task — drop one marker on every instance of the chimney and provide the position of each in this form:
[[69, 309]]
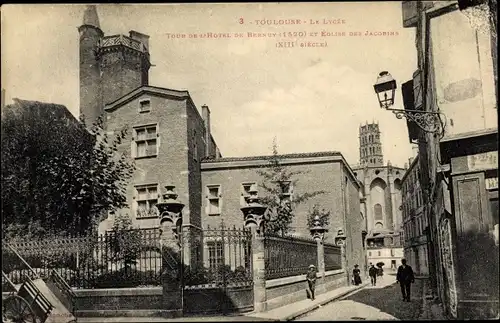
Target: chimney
[[144, 39], [205, 112]]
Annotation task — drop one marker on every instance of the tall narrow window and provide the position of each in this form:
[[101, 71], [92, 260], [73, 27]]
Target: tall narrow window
[[215, 254], [146, 199], [145, 141], [377, 208], [195, 146], [214, 199]]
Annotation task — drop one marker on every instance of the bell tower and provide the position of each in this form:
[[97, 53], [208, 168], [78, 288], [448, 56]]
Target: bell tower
[[91, 105], [370, 146]]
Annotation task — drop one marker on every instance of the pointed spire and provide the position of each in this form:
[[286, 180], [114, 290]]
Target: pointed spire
[[90, 17]]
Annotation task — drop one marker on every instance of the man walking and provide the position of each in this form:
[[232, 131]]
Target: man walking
[[372, 272], [405, 277]]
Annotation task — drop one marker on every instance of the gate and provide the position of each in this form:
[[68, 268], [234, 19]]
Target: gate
[[222, 281]]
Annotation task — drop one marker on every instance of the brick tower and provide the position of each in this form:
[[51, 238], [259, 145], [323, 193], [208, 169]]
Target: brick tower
[[370, 147], [90, 79], [110, 66]]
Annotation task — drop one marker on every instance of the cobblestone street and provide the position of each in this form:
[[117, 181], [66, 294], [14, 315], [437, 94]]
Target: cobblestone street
[[382, 302]]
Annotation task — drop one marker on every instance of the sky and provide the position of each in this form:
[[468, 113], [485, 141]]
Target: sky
[[310, 98]]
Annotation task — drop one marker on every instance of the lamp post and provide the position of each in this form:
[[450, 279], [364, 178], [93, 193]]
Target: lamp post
[[255, 217], [385, 88], [340, 240], [318, 233], [171, 238]]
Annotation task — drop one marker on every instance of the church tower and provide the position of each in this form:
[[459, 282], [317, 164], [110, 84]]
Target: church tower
[[91, 105], [110, 66], [370, 146]]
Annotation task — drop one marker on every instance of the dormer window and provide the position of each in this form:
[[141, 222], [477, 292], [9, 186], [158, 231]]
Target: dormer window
[[144, 105]]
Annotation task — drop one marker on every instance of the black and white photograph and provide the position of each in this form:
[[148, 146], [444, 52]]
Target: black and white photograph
[[287, 161]]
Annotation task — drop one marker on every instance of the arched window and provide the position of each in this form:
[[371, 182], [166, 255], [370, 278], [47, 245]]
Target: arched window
[[377, 208]]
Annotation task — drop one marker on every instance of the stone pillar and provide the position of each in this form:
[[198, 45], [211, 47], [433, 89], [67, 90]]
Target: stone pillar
[[259, 271], [171, 225], [171, 276], [254, 217]]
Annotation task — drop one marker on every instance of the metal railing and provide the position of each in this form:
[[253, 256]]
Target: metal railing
[[117, 40], [288, 256], [128, 259]]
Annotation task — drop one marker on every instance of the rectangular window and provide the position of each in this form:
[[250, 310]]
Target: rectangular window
[[144, 106], [378, 253], [146, 199], [369, 253], [145, 141], [214, 200], [215, 254]]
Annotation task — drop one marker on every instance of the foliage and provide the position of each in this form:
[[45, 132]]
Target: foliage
[[124, 241], [324, 216], [56, 175], [277, 180]]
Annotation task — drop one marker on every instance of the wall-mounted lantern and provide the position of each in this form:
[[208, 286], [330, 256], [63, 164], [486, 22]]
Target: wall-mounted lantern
[[385, 88]]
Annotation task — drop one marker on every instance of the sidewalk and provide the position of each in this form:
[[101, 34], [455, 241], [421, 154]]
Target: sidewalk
[[294, 310], [283, 313]]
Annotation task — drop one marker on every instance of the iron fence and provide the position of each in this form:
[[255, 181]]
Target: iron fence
[[226, 258], [288, 256], [116, 259], [333, 257]]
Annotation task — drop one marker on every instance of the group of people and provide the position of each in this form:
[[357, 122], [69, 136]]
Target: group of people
[[405, 277]]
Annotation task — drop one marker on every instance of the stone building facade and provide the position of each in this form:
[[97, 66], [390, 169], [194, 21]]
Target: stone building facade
[[380, 199], [415, 231], [170, 142], [459, 164]]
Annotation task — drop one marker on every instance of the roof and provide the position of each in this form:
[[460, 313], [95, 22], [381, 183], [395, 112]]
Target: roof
[[262, 161], [90, 17], [159, 91], [267, 157]]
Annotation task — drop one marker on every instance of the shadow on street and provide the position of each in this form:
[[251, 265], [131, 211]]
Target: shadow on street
[[389, 300]]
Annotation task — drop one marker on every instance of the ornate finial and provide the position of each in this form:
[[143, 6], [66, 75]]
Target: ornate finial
[[90, 17], [169, 194]]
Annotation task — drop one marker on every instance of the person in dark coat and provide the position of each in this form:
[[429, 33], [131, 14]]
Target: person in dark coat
[[311, 281], [372, 272], [405, 278], [356, 273]]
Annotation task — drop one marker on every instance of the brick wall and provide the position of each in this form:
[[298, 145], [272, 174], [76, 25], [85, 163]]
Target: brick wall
[[170, 165], [320, 174], [121, 73]]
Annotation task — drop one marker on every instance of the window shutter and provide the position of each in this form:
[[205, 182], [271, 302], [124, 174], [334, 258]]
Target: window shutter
[[407, 90], [410, 13], [418, 89]]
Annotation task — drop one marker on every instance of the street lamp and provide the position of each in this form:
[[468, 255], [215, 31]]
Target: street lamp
[[385, 88]]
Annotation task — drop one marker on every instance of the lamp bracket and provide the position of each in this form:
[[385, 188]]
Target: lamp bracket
[[428, 121]]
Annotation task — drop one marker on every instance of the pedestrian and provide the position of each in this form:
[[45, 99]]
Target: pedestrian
[[356, 273], [405, 278], [311, 281], [372, 272]]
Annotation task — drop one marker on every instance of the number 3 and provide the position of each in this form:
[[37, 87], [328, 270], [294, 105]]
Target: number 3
[[241, 21]]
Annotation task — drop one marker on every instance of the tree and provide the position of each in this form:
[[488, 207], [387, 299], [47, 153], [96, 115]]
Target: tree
[[278, 182], [56, 173], [124, 241], [324, 216]]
